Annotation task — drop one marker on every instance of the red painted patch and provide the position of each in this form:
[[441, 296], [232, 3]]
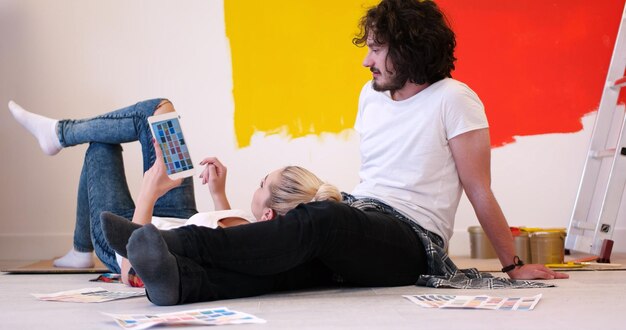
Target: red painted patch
[[538, 66]]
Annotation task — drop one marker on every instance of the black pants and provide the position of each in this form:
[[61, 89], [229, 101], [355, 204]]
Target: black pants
[[307, 247]]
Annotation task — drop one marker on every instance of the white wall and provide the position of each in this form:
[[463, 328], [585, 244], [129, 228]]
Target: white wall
[[79, 58]]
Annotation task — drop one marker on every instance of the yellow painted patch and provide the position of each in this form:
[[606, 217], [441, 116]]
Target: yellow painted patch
[[295, 69]]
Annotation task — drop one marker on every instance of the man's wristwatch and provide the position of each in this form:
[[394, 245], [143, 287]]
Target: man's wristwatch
[[517, 262]]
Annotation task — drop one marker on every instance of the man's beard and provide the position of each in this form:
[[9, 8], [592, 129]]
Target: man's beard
[[394, 82]]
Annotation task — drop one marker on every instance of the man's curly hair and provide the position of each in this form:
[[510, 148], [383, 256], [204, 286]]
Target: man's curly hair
[[420, 40]]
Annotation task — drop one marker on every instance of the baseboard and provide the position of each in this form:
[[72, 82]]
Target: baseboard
[[33, 246], [46, 246], [460, 242]]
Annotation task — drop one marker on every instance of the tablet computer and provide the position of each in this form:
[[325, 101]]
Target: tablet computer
[[168, 133]]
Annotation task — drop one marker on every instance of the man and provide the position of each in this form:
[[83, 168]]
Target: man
[[424, 137], [427, 139]]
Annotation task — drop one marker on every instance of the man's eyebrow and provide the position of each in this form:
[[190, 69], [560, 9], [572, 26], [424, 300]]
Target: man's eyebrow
[[373, 43]]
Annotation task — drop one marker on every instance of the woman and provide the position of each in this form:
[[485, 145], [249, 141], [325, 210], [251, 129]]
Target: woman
[[103, 187]]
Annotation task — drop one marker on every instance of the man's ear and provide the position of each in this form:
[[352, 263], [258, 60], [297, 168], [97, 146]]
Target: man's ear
[[268, 214]]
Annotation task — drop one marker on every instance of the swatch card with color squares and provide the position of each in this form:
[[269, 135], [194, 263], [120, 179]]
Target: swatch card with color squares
[[207, 316], [173, 145], [475, 302]]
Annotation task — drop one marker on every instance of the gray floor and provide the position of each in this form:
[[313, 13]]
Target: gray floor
[[588, 300]]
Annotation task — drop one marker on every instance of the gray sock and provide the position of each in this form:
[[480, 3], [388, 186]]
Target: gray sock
[[117, 230], [156, 266]]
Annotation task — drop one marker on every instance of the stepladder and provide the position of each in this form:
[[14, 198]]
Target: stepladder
[[601, 199]]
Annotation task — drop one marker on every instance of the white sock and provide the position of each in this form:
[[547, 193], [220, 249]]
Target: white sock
[[43, 128], [75, 259]]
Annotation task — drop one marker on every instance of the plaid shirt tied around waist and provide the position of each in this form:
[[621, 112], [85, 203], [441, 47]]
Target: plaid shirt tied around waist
[[442, 272]]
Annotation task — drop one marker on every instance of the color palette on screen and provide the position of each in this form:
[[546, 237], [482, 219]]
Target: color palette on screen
[[175, 151]]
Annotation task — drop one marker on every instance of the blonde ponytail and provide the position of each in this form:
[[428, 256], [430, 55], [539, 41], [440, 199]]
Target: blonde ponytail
[[298, 185], [327, 192]]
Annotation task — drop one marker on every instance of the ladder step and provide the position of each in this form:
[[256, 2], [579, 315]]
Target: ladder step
[[619, 83], [583, 225], [597, 154]]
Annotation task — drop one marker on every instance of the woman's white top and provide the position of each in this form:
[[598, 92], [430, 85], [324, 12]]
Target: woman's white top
[[205, 219]]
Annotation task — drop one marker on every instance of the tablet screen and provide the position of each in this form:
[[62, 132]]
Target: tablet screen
[[175, 153]]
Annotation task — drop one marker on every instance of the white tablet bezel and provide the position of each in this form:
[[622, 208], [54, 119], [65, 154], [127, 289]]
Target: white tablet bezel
[[164, 117]]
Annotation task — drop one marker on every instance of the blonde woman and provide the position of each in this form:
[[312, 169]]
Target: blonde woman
[[278, 192], [166, 203]]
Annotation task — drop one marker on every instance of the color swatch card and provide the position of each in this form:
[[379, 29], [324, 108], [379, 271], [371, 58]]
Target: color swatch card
[[209, 316], [475, 302], [89, 295]]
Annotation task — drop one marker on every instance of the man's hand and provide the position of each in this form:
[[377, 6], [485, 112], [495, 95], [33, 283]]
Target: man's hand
[[535, 272]]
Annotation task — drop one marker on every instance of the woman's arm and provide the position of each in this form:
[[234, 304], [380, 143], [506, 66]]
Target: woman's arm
[[154, 185], [472, 155], [214, 174]]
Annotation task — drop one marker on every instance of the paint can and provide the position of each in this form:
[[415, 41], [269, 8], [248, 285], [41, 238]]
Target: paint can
[[521, 240], [547, 247], [480, 246]]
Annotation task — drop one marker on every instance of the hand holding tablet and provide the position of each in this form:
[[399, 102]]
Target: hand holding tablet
[[168, 133]]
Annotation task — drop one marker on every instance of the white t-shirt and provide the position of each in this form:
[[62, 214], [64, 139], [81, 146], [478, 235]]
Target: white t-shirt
[[205, 219], [405, 158]]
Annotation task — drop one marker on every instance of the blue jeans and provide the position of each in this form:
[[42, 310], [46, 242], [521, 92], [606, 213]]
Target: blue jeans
[[103, 187]]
